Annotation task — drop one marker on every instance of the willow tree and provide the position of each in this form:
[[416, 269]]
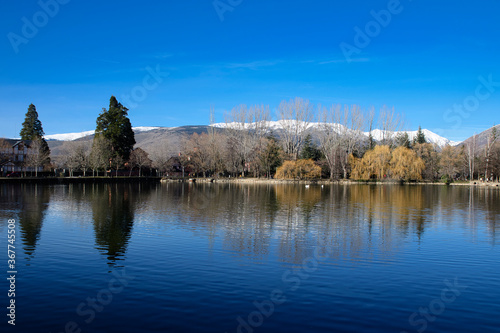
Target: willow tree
[[406, 165], [374, 164], [114, 125]]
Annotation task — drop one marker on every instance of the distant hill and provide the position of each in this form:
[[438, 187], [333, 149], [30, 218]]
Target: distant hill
[[148, 138], [482, 138]]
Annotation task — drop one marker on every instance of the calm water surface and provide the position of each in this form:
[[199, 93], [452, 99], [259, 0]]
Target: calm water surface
[[253, 258]]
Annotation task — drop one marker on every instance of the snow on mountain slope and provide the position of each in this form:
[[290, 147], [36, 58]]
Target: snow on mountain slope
[[68, 136], [430, 136], [275, 125], [74, 136], [376, 133]]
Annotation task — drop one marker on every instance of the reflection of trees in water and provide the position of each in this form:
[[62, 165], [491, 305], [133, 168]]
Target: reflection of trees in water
[[353, 220], [31, 201], [407, 208], [491, 200], [296, 221], [485, 200], [113, 208]]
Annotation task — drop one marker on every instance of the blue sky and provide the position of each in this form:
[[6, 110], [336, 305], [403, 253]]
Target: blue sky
[[422, 60]]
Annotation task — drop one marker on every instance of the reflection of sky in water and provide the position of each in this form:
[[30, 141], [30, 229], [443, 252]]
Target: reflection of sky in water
[[203, 253]]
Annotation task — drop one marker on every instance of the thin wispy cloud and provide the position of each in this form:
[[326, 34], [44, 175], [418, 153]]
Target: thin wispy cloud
[[160, 55], [253, 65]]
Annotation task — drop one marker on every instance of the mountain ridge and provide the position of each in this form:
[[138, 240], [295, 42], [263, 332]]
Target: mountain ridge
[[273, 125]]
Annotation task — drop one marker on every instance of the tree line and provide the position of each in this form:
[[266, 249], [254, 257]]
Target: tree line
[[310, 141], [330, 142]]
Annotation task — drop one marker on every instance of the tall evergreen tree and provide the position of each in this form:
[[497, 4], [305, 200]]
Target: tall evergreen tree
[[32, 126], [403, 140], [114, 125], [32, 131], [420, 138], [310, 150]]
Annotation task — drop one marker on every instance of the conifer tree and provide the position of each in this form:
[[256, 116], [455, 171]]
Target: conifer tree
[[420, 138], [403, 140], [310, 150], [32, 126], [32, 131], [114, 125], [371, 142]]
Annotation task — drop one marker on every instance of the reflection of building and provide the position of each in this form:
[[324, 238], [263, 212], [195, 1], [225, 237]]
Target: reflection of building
[[13, 156]]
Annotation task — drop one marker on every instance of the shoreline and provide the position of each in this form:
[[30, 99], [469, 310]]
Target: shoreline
[[80, 180], [321, 182], [76, 180]]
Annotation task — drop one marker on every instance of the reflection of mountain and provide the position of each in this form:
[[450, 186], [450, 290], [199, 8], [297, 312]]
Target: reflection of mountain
[[113, 215], [31, 201]]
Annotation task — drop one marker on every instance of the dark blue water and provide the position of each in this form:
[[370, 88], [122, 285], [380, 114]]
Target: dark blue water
[[252, 258]]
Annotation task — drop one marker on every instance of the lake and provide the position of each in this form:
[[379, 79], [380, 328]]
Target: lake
[[252, 258]]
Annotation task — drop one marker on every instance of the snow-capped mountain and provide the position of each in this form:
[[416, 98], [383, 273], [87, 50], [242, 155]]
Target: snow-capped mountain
[[275, 126], [377, 134], [74, 136], [430, 136]]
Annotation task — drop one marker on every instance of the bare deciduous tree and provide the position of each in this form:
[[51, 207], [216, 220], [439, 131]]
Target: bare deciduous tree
[[198, 150], [245, 128], [389, 122], [450, 160], [37, 156], [216, 143], [329, 138], [492, 138], [351, 121], [238, 128], [295, 116], [161, 152], [76, 156], [140, 159], [470, 153], [101, 154]]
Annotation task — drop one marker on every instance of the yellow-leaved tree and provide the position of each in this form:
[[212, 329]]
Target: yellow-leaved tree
[[374, 164], [406, 165], [301, 169]]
